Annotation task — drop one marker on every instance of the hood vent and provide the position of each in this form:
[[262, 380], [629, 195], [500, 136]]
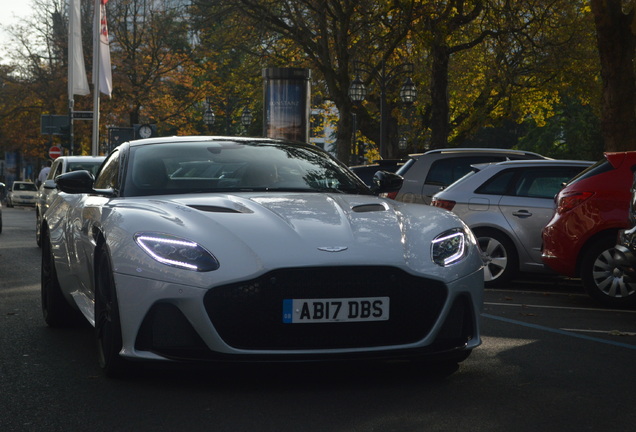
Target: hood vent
[[365, 208], [214, 209]]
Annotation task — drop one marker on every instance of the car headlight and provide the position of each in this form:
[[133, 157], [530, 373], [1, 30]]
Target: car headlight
[[177, 252], [449, 247]]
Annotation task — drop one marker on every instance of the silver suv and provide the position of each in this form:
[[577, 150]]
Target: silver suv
[[427, 173], [507, 205]]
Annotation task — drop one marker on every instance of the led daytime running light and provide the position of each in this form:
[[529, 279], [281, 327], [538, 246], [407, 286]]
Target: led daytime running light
[[176, 252], [449, 248]]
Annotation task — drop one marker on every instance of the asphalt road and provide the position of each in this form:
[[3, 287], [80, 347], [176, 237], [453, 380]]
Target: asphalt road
[[551, 360]]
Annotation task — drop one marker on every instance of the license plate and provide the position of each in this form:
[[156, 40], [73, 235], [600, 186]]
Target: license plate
[[335, 310]]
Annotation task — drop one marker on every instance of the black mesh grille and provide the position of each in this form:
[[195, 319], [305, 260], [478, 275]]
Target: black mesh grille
[[248, 315]]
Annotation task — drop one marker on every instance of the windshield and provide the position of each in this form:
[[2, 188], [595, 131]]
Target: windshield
[[25, 187], [91, 166], [234, 166]]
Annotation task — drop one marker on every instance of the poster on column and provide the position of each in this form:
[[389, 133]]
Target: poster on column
[[286, 96]]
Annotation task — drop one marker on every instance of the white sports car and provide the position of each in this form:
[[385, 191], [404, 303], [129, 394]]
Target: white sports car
[[224, 249]]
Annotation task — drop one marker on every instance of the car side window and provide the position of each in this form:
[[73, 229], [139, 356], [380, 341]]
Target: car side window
[[544, 183], [445, 171], [108, 177]]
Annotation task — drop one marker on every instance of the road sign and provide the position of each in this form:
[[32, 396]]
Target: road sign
[[83, 115], [53, 124], [55, 152]]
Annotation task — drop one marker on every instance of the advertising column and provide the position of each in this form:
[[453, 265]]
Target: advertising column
[[286, 94]]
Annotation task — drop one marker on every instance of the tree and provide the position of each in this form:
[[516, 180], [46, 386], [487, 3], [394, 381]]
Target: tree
[[492, 60], [153, 68], [325, 36], [616, 34], [34, 84]]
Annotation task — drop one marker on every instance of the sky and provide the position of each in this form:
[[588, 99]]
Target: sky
[[12, 10]]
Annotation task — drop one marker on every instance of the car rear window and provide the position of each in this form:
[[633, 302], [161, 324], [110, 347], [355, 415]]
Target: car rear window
[[498, 185], [599, 167], [404, 168]]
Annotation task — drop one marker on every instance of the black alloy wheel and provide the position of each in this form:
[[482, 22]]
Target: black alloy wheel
[[107, 321], [57, 312], [500, 257], [603, 278]]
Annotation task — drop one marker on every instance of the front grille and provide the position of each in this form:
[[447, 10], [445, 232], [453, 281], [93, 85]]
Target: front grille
[[248, 315]]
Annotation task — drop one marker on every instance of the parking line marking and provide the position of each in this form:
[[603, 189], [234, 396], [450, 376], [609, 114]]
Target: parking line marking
[[609, 332], [559, 307], [559, 331]]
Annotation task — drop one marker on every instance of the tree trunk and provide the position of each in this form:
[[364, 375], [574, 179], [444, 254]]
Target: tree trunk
[[616, 45], [440, 110]]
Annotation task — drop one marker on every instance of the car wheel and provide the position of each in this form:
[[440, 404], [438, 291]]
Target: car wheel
[[107, 322], [603, 279], [500, 257], [9, 203], [56, 310], [38, 229]]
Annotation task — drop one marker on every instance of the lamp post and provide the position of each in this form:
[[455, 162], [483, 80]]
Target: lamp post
[[209, 117], [246, 117], [383, 77]]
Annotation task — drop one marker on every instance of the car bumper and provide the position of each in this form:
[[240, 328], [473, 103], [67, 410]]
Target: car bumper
[[22, 201], [558, 254], [243, 321]]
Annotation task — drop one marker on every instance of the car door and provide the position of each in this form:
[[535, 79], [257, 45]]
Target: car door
[[86, 219], [529, 205]]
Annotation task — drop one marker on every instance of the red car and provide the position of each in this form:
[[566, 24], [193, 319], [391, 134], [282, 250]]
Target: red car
[[580, 239]]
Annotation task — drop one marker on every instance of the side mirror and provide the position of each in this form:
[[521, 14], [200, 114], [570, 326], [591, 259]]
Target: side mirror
[[49, 184], [75, 182], [385, 181]]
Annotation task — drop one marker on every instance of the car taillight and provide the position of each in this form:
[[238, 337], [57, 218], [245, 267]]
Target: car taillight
[[389, 195], [570, 201], [445, 204]]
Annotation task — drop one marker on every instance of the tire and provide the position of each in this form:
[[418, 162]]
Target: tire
[[500, 257], [107, 320], [602, 277], [57, 312]]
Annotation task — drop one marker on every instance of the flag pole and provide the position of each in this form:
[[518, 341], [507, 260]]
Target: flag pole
[[96, 79], [77, 82], [71, 86]]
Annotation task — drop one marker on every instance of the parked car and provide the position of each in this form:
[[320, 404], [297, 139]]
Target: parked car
[[580, 239], [428, 173], [625, 252], [507, 205], [22, 193], [366, 172], [48, 189], [278, 252]]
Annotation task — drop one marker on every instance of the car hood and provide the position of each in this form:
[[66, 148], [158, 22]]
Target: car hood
[[269, 230]]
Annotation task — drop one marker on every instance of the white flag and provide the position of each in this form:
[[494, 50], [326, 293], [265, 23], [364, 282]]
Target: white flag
[[103, 56], [77, 82]]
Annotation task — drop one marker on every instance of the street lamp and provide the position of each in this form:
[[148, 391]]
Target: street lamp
[[209, 118], [208, 115], [246, 117], [383, 77]]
